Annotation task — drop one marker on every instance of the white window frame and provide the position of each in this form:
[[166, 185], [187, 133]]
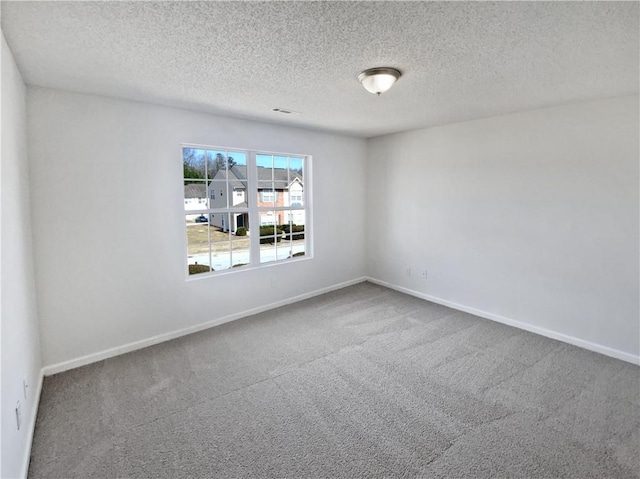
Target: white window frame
[[254, 211]]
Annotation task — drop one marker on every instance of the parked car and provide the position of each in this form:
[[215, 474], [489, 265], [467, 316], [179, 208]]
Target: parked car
[[201, 219]]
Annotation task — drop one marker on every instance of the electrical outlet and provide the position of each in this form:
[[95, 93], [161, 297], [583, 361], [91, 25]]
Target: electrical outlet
[[18, 415], [408, 271], [424, 274]]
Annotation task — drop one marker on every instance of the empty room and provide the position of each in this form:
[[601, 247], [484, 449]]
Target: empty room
[[320, 239]]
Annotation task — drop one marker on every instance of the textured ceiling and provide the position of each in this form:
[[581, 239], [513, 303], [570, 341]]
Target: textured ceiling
[[460, 60]]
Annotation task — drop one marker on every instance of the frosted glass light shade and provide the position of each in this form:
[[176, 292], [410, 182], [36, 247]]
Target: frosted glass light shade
[[378, 80]]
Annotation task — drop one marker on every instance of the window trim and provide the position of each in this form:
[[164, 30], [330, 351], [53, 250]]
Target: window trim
[[254, 210]]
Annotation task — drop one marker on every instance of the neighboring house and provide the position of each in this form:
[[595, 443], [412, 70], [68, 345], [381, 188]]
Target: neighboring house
[[195, 198], [284, 189]]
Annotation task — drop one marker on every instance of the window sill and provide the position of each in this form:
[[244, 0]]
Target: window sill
[[224, 272]]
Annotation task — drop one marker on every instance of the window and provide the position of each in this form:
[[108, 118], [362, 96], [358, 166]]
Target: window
[[229, 227], [296, 199], [268, 196]]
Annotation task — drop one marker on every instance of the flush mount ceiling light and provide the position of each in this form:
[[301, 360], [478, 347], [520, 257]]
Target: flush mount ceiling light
[[378, 80]]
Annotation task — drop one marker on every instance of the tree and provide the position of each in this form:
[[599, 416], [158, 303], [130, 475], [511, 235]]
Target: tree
[[193, 163], [190, 166], [217, 164], [220, 163]]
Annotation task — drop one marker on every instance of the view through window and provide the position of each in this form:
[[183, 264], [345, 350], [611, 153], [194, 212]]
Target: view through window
[[243, 208]]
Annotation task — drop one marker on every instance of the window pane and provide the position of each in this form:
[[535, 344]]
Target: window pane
[[240, 251], [236, 158], [216, 163], [217, 192], [221, 255], [297, 217], [267, 253], [230, 247], [195, 196], [193, 163], [280, 161], [220, 238], [264, 162], [295, 232], [198, 257], [237, 178], [222, 161], [197, 232], [283, 250], [295, 167], [220, 224], [281, 174]]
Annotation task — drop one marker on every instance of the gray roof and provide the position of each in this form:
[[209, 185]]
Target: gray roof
[[279, 174], [238, 175], [195, 190]]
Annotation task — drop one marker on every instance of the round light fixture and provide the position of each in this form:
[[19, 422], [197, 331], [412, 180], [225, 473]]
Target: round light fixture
[[378, 80]]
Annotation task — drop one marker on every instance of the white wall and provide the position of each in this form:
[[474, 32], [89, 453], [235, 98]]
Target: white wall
[[20, 343], [109, 240], [530, 217]]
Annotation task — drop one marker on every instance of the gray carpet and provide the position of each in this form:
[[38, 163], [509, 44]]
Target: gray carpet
[[361, 382]]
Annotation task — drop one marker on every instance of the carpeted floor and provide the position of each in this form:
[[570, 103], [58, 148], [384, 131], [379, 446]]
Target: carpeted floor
[[361, 382]]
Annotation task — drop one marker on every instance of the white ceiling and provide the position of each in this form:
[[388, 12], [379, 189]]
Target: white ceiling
[[460, 60]]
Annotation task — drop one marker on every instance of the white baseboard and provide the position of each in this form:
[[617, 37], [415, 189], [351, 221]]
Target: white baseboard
[[125, 348], [598, 348], [32, 427], [91, 358], [99, 356]]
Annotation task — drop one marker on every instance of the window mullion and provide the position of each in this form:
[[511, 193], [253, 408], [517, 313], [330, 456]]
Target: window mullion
[[252, 204]]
